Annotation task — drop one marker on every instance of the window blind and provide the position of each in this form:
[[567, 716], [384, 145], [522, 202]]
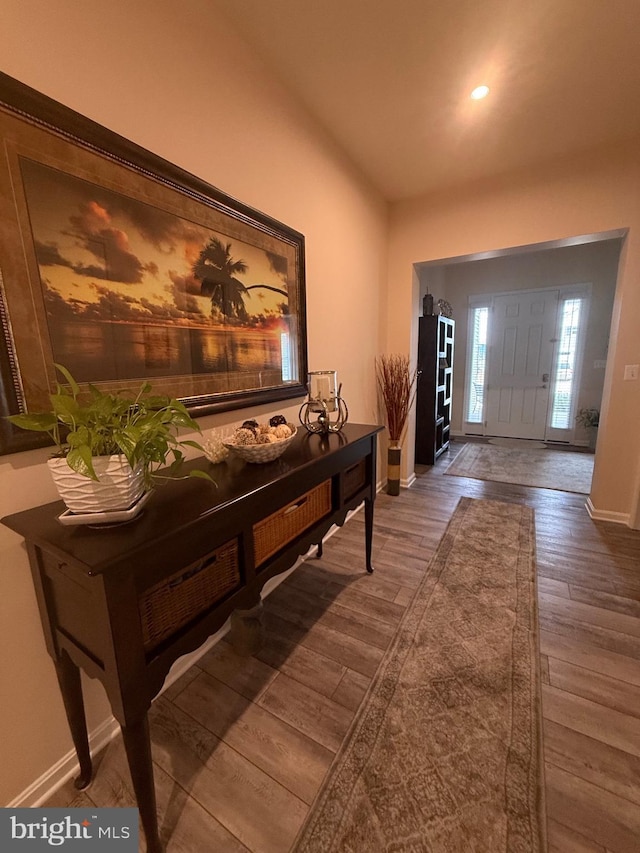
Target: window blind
[[564, 378], [475, 393]]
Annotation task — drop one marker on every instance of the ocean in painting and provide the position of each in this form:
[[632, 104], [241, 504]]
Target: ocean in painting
[[102, 352]]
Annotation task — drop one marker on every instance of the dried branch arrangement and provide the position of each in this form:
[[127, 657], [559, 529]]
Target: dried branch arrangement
[[396, 382]]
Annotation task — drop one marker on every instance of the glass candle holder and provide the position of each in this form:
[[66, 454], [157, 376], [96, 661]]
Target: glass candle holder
[[323, 391]]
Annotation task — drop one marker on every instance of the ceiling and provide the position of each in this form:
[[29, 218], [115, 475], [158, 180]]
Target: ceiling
[[390, 80]]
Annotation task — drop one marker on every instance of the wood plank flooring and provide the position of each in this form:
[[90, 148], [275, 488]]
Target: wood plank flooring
[[241, 745]]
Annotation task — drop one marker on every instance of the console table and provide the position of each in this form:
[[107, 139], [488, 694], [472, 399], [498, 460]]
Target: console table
[[123, 602]]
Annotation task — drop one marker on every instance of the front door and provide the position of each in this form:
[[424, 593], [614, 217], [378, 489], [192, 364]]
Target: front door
[[523, 327]]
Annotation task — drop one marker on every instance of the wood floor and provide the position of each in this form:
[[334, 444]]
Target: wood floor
[[241, 745]]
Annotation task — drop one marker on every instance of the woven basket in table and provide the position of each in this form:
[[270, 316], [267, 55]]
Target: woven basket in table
[[261, 452], [179, 598], [281, 527]]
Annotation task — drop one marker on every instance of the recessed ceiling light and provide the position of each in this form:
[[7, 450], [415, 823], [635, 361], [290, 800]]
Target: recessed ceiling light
[[480, 92]]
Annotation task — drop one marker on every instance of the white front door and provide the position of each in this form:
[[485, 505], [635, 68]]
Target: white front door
[[522, 329]]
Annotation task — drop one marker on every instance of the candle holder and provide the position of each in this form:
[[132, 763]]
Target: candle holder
[[325, 402]]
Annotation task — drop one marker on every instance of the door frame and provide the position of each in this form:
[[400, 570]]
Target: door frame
[[565, 292]]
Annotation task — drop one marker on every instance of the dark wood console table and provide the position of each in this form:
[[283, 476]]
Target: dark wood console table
[[124, 602]]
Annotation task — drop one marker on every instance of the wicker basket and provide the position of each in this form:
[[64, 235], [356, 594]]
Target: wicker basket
[[179, 598], [277, 530], [259, 453]]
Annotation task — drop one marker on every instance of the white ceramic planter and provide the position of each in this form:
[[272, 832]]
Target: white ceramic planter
[[118, 486]]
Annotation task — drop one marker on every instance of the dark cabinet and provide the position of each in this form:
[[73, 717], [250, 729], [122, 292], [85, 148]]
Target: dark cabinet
[[434, 387]]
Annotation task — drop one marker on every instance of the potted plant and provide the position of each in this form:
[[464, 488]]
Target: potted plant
[[110, 446], [589, 418], [396, 382]]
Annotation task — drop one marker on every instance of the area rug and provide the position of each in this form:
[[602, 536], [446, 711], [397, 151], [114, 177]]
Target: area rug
[[544, 469], [445, 752]]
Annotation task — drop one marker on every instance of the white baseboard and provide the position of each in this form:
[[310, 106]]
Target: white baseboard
[[408, 481], [405, 483], [461, 434], [607, 515], [67, 766], [39, 791]]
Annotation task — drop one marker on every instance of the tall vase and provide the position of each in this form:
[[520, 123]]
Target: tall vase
[[394, 453]]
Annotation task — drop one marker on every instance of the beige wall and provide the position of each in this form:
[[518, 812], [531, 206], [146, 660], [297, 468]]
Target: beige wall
[[577, 196], [177, 80], [595, 264]]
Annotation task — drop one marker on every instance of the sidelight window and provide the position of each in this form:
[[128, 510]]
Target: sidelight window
[[479, 317], [564, 380]]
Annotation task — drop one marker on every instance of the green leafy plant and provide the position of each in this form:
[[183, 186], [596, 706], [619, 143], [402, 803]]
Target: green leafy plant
[[588, 417], [396, 382], [143, 427]]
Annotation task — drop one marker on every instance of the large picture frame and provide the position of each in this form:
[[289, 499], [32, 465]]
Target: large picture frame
[[125, 268]]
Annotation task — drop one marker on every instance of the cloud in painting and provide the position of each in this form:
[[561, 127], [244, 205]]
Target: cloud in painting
[[63, 309], [191, 307], [124, 266], [126, 308], [92, 228], [184, 283], [112, 306], [48, 255], [184, 290], [164, 231]]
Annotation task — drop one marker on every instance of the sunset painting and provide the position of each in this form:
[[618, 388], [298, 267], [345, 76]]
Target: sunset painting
[[132, 291]]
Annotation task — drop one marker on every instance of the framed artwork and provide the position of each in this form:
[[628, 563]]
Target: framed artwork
[[123, 268]]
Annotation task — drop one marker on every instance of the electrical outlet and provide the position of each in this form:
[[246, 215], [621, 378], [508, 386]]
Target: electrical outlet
[[631, 371]]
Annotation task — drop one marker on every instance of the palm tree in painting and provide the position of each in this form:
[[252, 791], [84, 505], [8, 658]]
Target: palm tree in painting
[[216, 270]]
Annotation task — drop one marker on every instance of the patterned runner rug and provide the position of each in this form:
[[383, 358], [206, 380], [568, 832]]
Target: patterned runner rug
[[445, 752], [544, 469]]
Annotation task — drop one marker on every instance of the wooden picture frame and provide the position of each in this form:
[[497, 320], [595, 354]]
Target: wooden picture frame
[[125, 268]]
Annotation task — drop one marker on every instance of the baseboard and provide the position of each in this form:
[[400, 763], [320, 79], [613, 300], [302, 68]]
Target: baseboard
[[409, 481], [43, 788], [607, 515], [466, 435], [39, 791], [405, 483]]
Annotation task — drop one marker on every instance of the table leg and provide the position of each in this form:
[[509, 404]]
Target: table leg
[[71, 689], [368, 532], [319, 551], [247, 630], [137, 744]]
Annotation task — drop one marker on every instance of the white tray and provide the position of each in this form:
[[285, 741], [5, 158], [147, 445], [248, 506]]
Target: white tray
[[116, 516]]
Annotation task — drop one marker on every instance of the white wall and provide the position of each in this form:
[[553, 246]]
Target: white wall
[[178, 80], [590, 194]]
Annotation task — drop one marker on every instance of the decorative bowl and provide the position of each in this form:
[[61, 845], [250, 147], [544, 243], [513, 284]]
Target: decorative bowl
[[259, 453]]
